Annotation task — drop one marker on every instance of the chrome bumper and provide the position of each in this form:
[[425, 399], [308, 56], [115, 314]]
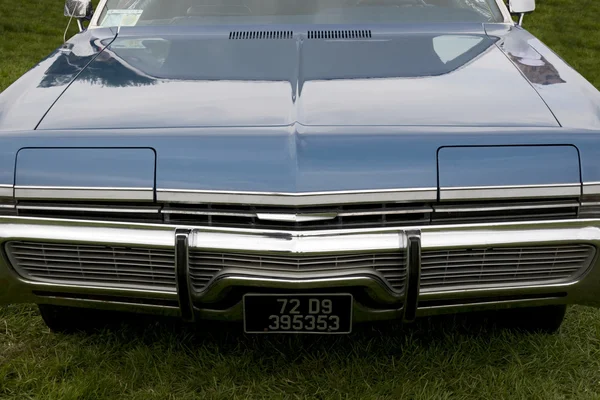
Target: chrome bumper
[[211, 302]]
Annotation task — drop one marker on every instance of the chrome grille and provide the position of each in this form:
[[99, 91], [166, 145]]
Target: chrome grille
[[205, 265], [504, 211], [441, 269], [370, 215], [117, 267], [343, 216]]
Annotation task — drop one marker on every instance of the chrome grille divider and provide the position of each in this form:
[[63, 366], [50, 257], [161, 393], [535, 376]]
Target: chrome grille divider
[[182, 275], [413, 278]]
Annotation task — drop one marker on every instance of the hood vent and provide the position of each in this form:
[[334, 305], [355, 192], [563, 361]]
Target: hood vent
[[348, 34], [244, 35]]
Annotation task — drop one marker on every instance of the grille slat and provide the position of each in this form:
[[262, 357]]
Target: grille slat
[[288, 265], [96, 261], [205, 265], [492, 281], [395, 276], [225, 260], [493, 263], [507, 271], [509, 251], [91, 249], [87, 254], [303, 259], [442, 269], [113, 282], [118, 267], [96, 270]]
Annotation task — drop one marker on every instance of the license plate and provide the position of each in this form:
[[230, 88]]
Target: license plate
[[298, 313]]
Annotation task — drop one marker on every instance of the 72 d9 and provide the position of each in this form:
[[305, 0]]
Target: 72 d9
[[319, 316]]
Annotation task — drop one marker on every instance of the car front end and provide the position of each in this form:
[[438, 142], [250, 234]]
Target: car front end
[[300, 178]]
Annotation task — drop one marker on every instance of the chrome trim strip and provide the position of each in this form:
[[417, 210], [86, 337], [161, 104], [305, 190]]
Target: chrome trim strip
[[296, 217], [207, 213], [95, 287], [367, 196], [300, 216], [126, 210], [70, 288], [383, 211], [356, 240], [516, 191], [500, 226], [489, 305], [367, 279], [300, 199], [91, 188], [83, 193], [6, 191], [440, 238], [516, 206], [591, 188], [542, 224], [295, 199], [590, 203], [30, 229], [110, 305], [297, 242]]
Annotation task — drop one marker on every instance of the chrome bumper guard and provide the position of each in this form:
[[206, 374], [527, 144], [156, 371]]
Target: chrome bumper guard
[[406, 304]]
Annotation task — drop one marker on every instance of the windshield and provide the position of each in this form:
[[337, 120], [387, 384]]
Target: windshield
[[179, 12]]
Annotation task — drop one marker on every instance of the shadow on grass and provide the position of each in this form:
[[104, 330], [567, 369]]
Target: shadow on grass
[[376, 339], [469, 355]]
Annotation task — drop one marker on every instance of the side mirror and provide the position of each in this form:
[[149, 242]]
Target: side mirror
[[78, 8], [521, 7]]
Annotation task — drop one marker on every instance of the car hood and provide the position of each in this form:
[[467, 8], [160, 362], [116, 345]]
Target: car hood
[[160, 79]]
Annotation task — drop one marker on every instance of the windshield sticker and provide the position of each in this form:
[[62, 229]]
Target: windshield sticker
[[122, 17]]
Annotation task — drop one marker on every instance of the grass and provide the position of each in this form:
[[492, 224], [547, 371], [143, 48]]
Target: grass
[[442, 358], [29, 31], [447, 357]]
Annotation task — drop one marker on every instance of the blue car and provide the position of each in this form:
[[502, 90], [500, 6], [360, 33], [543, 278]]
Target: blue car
[[300, 166]]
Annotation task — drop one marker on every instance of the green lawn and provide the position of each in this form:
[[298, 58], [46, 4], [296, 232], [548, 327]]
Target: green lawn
[[434, 358]]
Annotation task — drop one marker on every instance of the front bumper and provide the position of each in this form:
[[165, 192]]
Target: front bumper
[[377, 299]]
